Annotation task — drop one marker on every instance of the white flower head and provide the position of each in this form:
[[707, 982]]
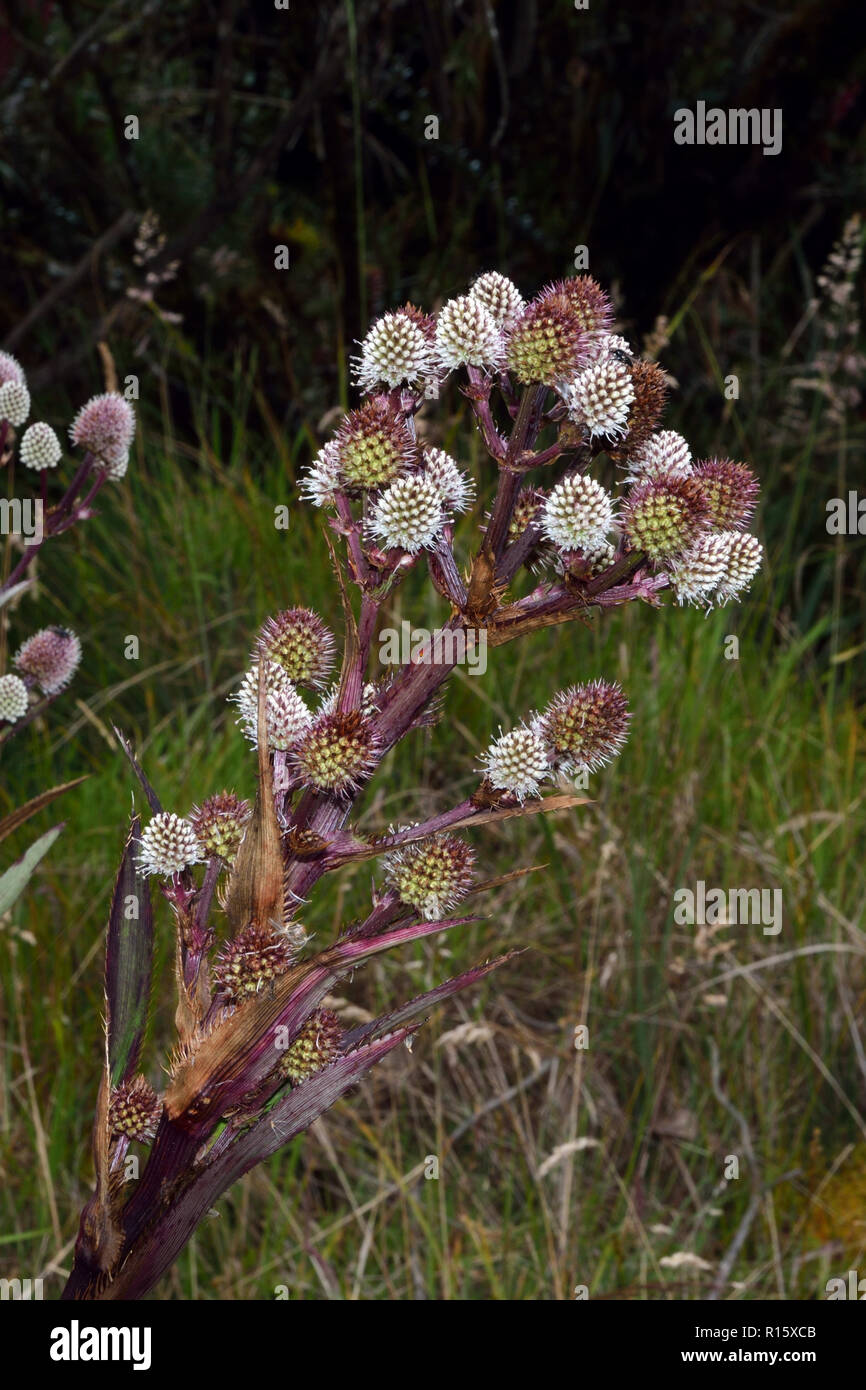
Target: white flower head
[[13, 699], [408, 515], [395, 352], [578, 514], [467, 333], [665, 452], [14, 402], [456, 487], [717, 568], [600, 397], [168, 845], [286, 714], [518, 762], [500, 296], [322, 477], [40, 447]]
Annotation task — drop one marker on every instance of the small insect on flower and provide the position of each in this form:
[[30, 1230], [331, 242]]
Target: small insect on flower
[[585, 726], [500, 296], [134, 1110], [518, 762], [315, 1047], [14, 699], [663, 453], [395, 352], [467, 333], [298, 641], [40, 447], [408, 515], [51, 656], [168, 845], [105, 426], [578, 514], [432, 875], [219, 825], [14, 402], [456, 488]]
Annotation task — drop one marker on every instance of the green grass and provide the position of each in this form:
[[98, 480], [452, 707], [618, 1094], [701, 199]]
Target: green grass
[[558, 1167]]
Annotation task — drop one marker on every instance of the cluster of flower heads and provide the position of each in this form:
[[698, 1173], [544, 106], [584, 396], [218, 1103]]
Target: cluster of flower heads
[[45, 662], [104, 426], [581, 730]]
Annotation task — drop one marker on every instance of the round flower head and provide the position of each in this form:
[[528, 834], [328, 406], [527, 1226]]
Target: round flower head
[[663, 453], [456, 488], [298, 641], [135, 1110], [590, 303], [744, 557], [14, 699], [14, 402], [611, 344], [374, 445], [51, 656], [517, 762], [578, 514], [40, 447], [286, 714], [10, 369], [600, 397], [256, 957], [219, 825], [730, 490], [433, 875], [105, 427], [549, 344], [338, 752], [396, 351], [585, 726], [322, 477], [408, 515], [467, 332], [697, 575], [664, 516], [315, 1047], [500, 297], [650, 394], [168, 845]]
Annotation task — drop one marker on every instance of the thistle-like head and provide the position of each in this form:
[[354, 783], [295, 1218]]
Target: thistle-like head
[[256, 957], [168, 845], [664, 515], [219, 825], [40, 447], [299, 643], [518, 762], [337, 752], [431, 875], [374, 445], [14, 699], [585, 726], [105, 426], [315, 1047], [467, 334]]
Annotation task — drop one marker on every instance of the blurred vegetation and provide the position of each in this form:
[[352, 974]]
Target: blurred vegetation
[[259, 127]]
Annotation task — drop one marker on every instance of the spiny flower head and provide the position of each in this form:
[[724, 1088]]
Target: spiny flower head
[[10, 369], [322, 477], [409, 514], [337, 752], [51, 656], [395, 352], [315, 1047], [14, 699], [105, 426], [431, 875], [135, 1110], [286, 714], [663, 453], [457, 489], [600, 397], [467, 333], [500, 296], [730, 490], [650, 394], [14, 402], [718, 567], [40, 447], [219, 825], [298, 641], [549, 344], [255, 957], [664, 516], [590, 303], [578, 514], [168, 845], [375, 445], [585, 726], [518, 762]]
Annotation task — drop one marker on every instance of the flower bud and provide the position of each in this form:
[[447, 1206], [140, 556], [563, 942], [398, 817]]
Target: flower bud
[[14, 402], [322, 477], [135, 1110], [14, 699], [374, 445], [663, 453], [337, 752], [500, 296], [456, 488], [105, 426], [578, 514], [219, 825], [256, 957], [467, 333], [585, 726], [40, 447], [730, 490], [315, 1047], [408, 515], [51, 656], [548, 344], [168, 845], [395, 352], [600, 397], [298, 641], [664, 516]]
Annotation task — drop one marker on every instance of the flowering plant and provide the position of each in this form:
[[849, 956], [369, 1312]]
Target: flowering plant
[[259, 1056]]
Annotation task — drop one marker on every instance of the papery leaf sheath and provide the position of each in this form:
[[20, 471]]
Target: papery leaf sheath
[[128, 963]]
